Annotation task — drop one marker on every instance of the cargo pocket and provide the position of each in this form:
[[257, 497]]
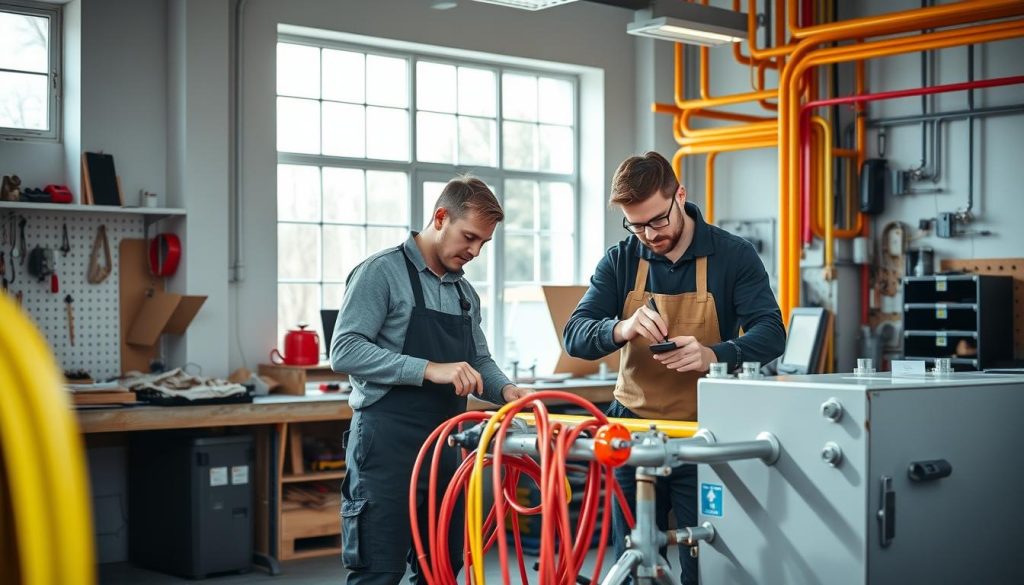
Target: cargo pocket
[[351, 513]]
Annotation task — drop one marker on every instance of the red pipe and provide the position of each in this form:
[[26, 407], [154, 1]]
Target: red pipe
[[807, 109]]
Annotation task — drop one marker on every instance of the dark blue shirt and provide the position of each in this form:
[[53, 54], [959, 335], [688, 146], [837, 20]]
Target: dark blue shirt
[[736, 279]]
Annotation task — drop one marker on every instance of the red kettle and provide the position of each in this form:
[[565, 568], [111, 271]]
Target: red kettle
[[301, 348]]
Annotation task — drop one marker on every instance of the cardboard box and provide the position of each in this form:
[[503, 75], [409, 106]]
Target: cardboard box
[[163, 312]]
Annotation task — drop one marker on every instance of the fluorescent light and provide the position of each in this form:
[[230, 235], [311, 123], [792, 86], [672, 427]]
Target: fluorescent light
[[527, 4], [680, 31], [685, 22]]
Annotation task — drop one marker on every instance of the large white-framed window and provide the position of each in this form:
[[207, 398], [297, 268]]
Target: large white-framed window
[[30, 65], [367, 138]]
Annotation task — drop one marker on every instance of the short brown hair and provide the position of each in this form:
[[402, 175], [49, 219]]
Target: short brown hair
[[639, 177], [467, 193]]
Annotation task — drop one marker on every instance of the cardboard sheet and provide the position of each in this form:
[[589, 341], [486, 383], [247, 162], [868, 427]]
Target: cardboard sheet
[[562, 300]]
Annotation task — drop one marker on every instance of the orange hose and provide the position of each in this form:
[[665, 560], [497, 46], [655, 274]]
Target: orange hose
[[709, 187]]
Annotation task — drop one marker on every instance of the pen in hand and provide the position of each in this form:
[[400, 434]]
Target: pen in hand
[[654, 307]]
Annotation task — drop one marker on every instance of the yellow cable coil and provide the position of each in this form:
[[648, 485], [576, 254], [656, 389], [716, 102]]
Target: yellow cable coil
[[44, 463], [676, 429]]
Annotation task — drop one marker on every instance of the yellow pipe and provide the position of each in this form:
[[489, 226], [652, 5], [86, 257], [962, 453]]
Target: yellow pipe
[[663, 108], [678, 429], [44, 463], [709, 187], [789, 217], [678, 97], [725, 131], [802, 59]]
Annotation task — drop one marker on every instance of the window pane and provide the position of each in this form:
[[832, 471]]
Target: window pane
[[476, 141], [479, 269], [435, 87], [298, 125], [520, 146], [518, 204], [435, 137], [556, 259], [344, 130], [332, 297], [387, 133], [344, 76], [431, 191], [529, 332], [296, 303], [387, 81], [298, 193], [519, 97], [344, 248], [298, 70], [380, 238], [557, 105], [557, 208], [387, 198], [344, 192], [23, 101], [477, 88], [556, 150], [518, 258], [298, 251], [24, 42]]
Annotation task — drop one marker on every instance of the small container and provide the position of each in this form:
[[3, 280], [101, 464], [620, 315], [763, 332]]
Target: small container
[[864, 367], [148, 199], [750, 371], [719, 370]]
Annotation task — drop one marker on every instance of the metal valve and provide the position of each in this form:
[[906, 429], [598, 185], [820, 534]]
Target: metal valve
[[864, 367], [719, 370]]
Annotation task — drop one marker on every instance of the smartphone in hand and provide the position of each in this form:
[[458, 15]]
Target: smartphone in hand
[[662, 347]]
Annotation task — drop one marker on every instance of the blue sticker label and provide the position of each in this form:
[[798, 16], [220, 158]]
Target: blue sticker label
[[711, 499]]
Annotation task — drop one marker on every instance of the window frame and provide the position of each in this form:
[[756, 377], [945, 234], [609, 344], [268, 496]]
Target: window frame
[[420, 172], [54, 76]]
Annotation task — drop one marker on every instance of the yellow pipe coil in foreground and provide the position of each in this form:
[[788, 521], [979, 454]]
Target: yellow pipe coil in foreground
[[43, 464]]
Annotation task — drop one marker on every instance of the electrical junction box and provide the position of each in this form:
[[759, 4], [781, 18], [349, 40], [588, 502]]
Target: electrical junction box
[[880, 480], [945, 224]]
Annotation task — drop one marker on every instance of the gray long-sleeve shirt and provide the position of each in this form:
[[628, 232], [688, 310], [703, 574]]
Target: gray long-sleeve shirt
[[370, 332]]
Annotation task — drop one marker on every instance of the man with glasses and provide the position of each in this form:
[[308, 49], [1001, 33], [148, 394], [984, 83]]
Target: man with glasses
[[674, 280]]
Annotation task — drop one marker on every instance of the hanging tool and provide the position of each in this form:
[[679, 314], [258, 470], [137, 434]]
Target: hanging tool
[[65, 245], [71, 318], [3, 270], [9, 238], [20, 252], [98, 272]]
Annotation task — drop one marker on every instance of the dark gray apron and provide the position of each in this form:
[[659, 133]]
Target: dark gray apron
[[381, 448]]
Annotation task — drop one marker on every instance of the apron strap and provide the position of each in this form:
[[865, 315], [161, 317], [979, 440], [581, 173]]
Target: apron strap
[[641, 276], [414, 281], [464, 303], [702, 279]]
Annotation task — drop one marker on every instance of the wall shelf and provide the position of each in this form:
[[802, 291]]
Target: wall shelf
[[76, 208]]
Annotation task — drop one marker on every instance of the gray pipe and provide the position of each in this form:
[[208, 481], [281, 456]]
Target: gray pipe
[[238, 253]]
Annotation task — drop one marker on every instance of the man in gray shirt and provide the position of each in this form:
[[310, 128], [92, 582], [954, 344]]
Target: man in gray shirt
[[408, 334]]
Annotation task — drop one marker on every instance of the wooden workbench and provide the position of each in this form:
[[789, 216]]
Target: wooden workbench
[[273, 409]]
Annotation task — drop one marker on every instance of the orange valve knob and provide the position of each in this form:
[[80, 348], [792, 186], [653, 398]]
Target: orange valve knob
[[612, 444]]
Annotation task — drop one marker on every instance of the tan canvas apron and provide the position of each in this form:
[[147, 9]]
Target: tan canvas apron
[[645, 385]]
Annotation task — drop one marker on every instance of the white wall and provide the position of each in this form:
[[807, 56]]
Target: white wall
[[581, 33]]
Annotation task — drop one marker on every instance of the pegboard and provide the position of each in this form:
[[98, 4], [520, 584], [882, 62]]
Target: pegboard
[[1000, 267], [96, 306]]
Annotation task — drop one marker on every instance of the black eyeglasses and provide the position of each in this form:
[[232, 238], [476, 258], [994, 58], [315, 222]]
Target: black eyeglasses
[[656, 223]]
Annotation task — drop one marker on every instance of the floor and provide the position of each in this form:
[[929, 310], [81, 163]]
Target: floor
[[322, 571]]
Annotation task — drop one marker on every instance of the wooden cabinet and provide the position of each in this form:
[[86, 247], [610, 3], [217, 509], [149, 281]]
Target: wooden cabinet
[[310, 469]]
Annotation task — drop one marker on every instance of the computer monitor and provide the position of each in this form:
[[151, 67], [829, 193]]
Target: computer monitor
[[328, 317], [803, 344]]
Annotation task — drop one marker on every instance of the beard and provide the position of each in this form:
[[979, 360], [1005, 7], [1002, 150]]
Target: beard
[[663, 243]]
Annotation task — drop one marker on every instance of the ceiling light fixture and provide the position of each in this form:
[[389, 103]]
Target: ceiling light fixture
[[694, 24], [528, 4]]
